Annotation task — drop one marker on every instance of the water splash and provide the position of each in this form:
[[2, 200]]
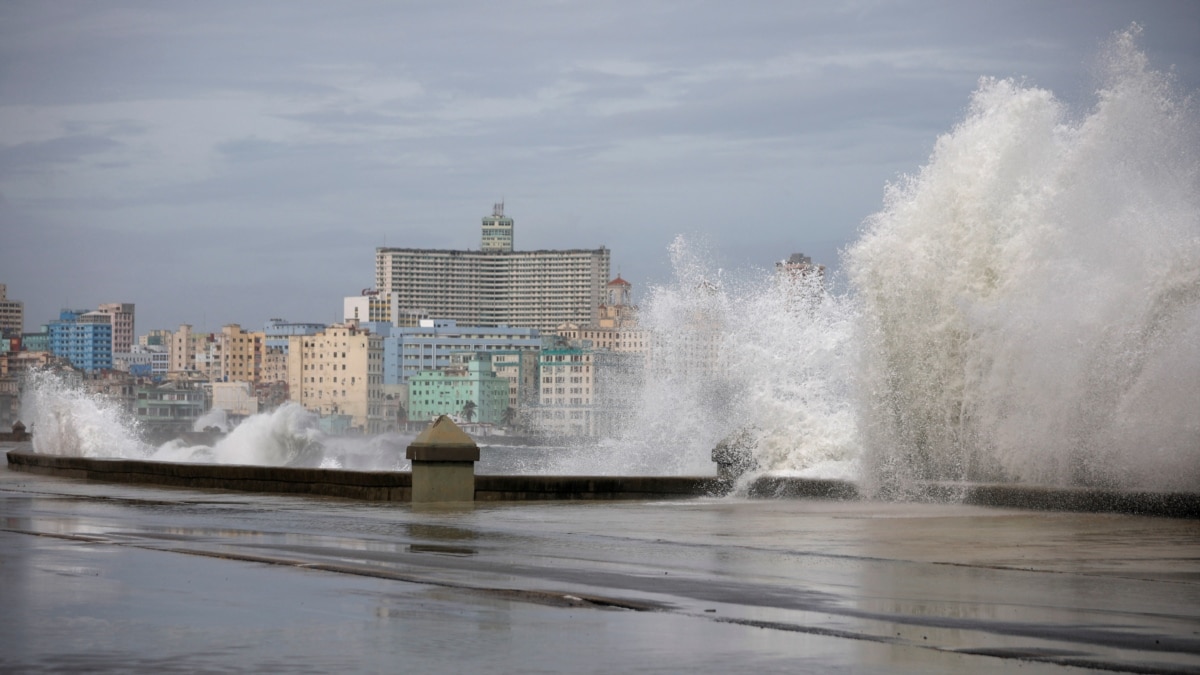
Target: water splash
[[754, 353], [66, 419], [69, 420], [1031, 298]]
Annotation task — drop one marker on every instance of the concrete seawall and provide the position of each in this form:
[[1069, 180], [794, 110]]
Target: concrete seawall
[[396, 486], [364, 485]]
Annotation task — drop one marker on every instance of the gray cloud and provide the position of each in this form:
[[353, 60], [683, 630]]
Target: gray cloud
[[204, 159]]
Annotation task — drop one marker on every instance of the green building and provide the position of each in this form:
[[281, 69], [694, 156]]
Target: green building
[[167, 410], [469, 384]]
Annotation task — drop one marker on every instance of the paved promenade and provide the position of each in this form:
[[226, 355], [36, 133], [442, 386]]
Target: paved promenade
[[117, 578]]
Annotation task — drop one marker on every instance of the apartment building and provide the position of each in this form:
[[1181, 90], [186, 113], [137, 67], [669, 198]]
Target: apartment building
[[12, 314], [520, 369], [496, 286], [470, 391], [370, 306], [184, 344], [84, 338], [275, 348], [238, 354], [339, 371], [164, 411], [586, 392], [432, 344], [122, 325]]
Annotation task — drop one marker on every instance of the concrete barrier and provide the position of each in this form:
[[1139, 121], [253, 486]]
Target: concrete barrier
[[392, 486], [396, 486], [1088, 500], [536, 488]]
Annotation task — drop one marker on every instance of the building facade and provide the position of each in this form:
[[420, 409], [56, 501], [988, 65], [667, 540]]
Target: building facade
[[238, 354], [430, 346], [166, 410], [616, 328], [12, 314], [469, 391], [369, 306], [276, 332], [520, 369], [84, 338], [122, 325], [495, 286], [339, 371], [497, 231]]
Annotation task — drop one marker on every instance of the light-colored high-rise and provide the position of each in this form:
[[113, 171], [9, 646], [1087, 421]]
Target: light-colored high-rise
[[496, 286], [238, 354], [122, 325], [339, 371], [12, 314], [497, 231]]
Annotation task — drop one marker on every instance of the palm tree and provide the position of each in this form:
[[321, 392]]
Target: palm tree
[[509, 417], [468, 411]]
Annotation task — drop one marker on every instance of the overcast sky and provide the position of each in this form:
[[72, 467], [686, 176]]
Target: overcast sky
[[228, 162]]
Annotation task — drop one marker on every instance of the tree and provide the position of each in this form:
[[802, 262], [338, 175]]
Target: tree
[[468, 411], [509, 417]]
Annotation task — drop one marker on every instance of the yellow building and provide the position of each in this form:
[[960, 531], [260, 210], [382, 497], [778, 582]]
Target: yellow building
[[616, 329], [184, 345], [339, 371], [238, 354]]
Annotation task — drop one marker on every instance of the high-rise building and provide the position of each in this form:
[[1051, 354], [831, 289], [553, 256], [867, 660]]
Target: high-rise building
[[184, 345], [339, 371], [239, 354], [497, 231], [122, 325], [496, 286], [84, 338], [12, 314]]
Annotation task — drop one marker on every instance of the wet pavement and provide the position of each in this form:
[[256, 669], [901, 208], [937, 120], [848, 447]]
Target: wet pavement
[[117, 578]]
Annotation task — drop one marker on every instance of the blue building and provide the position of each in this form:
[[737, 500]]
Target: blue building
[[411, 350], [84, 338], [277, 331]]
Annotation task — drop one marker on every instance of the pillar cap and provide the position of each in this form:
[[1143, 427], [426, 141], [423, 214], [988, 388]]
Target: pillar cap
[[443, 441]]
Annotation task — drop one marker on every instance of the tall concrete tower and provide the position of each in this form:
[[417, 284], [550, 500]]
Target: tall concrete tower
[[497, 231]]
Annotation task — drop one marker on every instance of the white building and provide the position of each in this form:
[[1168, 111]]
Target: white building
[[235, 398], [496, 286]]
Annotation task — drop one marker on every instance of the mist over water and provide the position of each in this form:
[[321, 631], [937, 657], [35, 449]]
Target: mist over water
[[67, 420], [1025, 308], [1030, 300], [749, 353]]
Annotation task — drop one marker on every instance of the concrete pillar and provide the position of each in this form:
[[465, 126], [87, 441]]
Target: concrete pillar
[[443, 464]]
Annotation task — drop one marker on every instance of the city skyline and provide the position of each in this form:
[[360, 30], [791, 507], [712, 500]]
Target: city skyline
[[221, 163]]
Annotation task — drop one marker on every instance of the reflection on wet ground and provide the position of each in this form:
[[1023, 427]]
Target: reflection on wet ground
[[120, 578]]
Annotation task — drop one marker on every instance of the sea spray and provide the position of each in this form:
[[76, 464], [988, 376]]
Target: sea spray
[[1031, 298], [759, 353], [66, 419]]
